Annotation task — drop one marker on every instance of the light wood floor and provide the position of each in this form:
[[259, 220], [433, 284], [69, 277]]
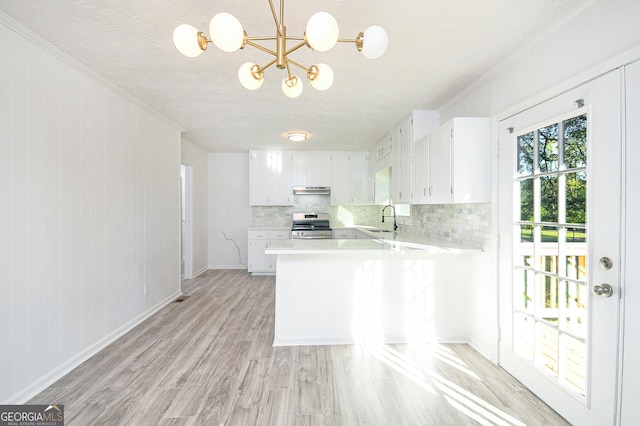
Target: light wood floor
[[209, 361]]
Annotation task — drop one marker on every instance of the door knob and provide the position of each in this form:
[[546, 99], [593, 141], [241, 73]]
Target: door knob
[[604, 290]]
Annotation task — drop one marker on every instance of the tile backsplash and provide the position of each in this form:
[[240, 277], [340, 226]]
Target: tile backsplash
[[468, 224]]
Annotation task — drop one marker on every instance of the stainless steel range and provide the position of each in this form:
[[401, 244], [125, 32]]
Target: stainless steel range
[[311, 226]]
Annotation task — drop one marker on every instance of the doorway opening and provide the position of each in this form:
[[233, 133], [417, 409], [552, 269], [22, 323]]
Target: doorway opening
[[186, 261]]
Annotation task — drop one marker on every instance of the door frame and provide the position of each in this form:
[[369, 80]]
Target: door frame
[[186, 220]]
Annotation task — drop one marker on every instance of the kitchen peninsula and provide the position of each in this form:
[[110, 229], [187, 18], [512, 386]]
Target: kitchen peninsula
[[390, 290]]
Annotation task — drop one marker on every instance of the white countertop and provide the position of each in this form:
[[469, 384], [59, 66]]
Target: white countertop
[[360, 245]]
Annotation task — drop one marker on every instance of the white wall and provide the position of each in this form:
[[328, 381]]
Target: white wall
[[229, 210], [89, 213], [194, 156], [602, 36]]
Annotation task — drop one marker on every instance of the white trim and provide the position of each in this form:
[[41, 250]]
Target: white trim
[[34, 388], [186, 219], [200, 272], [226, 267], [50, 48]]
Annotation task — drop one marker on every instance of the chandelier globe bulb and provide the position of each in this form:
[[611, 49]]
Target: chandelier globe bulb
[[375, 42], [320, 76], [292, 86], [250, 76], [322, 31], [226, 32], [185, 39]]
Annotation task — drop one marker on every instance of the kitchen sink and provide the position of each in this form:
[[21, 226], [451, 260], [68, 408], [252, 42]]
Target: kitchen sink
[[378, 230]]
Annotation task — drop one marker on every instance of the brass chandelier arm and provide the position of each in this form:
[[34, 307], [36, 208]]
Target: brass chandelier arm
[[293, 49], [261, 69], [264, 49], [265, 38], [289, 61]]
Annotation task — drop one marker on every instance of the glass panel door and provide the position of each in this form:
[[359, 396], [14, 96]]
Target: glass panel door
[[559, 214]]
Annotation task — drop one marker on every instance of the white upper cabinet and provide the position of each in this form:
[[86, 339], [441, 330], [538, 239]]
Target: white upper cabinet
[[459, 162], [341, 175], [350, 176], [270, 178], [273, 174], [321, 168], [301, 168], [421, 171], [418, 125], [359, 178], [439, 172]]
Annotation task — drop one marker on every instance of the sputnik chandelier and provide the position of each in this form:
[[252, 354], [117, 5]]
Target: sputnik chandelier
[[321, 34]]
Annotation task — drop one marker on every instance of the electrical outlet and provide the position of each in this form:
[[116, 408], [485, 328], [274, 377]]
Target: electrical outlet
[[476, 222], [146, 289], [424, 218]]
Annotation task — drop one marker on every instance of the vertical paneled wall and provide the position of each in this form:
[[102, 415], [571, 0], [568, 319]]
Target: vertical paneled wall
[[89, 214]]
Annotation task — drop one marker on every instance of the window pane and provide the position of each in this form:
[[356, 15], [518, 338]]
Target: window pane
[[577, 267], [576, 190], [526, 200], [523, 331], [525, 154], [574, 362], [548, 291], [576, 235], [549, 263], [523, 290], [549, 234], [549, 199], [547, 347], [573, 308], [548, 148], [575, 142], [526, 234]]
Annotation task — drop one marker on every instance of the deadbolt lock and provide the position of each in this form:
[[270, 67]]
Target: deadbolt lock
[[605, 263]]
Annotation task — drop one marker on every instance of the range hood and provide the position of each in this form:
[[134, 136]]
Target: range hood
[[312, 190]]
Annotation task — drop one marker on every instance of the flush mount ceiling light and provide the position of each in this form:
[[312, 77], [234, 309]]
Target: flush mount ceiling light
[[321, 34], [297, 136]]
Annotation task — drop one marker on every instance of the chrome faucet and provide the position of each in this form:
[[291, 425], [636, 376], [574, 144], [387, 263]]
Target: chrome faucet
[[395, 226]]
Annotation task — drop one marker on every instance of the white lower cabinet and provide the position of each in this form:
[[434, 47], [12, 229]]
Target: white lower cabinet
[[344, 234], [259, 241]]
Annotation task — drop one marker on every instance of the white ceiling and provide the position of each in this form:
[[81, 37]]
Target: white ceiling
[[436, 48]]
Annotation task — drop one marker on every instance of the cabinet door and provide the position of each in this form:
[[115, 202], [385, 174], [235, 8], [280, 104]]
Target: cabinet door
[[270, 178], [359, 178], [396, 165], [301, 168], [406, 164], [340, 178], [321, 168], [440, 166], [259, 178], [281, 188], [470, 158], [343, 234], [258, 260], [421, 171]]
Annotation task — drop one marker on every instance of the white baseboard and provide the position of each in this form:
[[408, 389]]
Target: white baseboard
[[227, 267], [48, 379]]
